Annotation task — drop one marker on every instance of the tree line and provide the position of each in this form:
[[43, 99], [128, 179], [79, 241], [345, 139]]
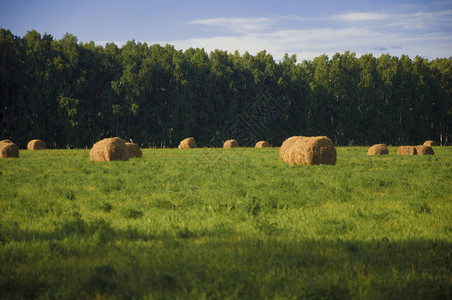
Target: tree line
[[72, 94]]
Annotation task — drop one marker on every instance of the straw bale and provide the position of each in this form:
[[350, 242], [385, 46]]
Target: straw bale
[[300, 150], [430, 143], [109, 149], [36, 145], [187, 143], [284, 153], [424, 150], [262, 144], [134, 150], [5, 141], [8, 149], [378, 149], [230, 144], [406, 150]]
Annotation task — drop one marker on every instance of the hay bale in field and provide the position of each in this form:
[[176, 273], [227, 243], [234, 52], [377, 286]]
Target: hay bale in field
[[424, 150], [187, 143], [284, 153], [8, 149], [5, 141], [134, 150], [406, 150], [109, 149], [378, 149], [262, 144], [231, 144], [301, 150], [430, 143], [36, 145]]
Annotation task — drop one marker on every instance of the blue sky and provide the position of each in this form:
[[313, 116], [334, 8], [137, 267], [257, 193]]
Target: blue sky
[[305, 28]]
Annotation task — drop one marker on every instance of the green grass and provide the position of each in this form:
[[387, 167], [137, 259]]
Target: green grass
[[225, 224]]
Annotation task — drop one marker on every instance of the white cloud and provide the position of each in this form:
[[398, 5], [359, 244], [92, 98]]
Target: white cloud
[[305, 43], [117, 43], [311, 43], [422, 20], [422, 33], [409, 21], [361, 16], [236, 24]]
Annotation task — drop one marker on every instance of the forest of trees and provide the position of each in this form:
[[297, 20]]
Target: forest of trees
[[72, 94]]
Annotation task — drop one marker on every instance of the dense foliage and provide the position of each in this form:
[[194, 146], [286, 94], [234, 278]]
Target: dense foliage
[[71, 94]]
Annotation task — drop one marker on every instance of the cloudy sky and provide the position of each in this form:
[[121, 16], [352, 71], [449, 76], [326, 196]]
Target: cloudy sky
[[305, 28]]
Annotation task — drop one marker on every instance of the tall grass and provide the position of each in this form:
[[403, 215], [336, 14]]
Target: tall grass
[[226, 223]]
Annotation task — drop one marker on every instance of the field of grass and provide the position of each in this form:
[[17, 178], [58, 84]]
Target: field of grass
[[225, 224]]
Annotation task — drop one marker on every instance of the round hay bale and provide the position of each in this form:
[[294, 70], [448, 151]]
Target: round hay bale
[[8, 149], [187, 143], [134, 150], [284, 153], [378, 149], [406, 150], [424, 150], [430, 143], [109, 149], [262, 144], [36, 145], [300, 150], [231, 144]]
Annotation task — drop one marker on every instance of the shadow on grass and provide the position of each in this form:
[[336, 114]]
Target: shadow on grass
[[100, 260]]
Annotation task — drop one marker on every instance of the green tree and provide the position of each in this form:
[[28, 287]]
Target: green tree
[[72, 94], [12, 100], [370, 106]]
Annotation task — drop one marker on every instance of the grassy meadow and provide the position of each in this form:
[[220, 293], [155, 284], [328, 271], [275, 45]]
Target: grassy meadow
[[225, 224]]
